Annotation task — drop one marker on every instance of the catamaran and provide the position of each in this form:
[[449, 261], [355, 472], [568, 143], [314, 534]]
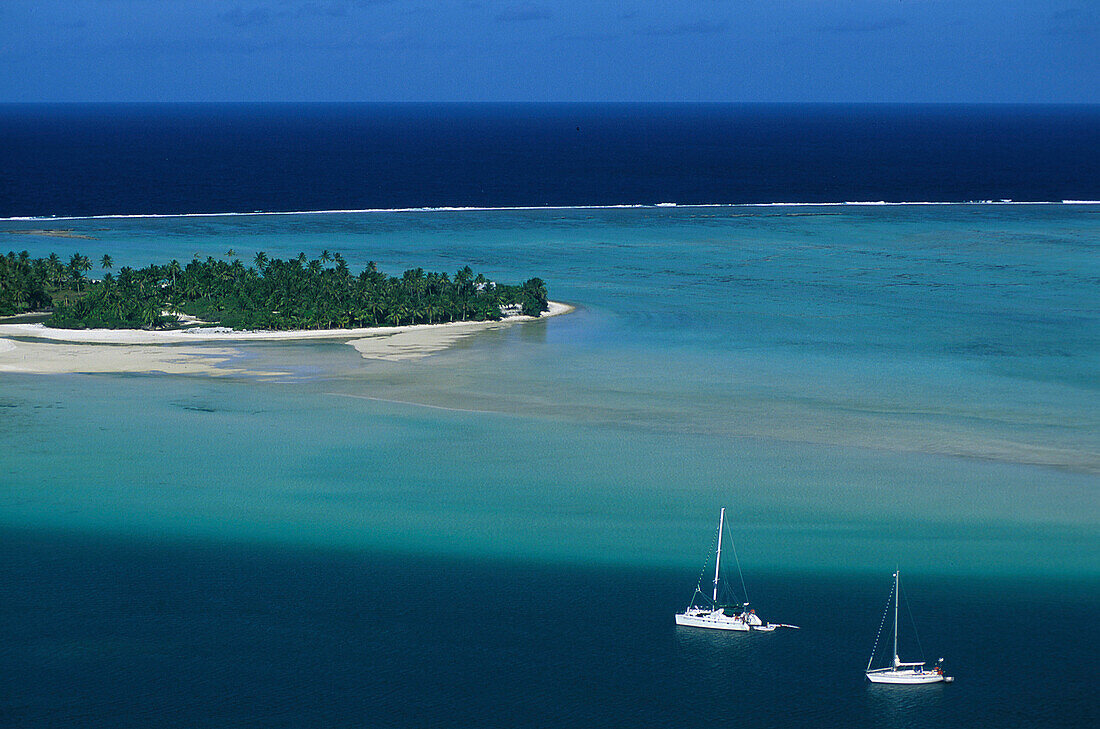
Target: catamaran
[[901, 672], [723, 616]]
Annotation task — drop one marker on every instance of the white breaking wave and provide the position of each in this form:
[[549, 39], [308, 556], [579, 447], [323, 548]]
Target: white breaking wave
[[348, 211], [519, 208]]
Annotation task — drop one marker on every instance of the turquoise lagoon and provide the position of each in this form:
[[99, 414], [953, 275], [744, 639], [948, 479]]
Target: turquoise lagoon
[[861, 386]]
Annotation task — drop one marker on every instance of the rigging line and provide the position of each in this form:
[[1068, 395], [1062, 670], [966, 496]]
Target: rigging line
[[914, 622], [703, 572], [880, 626], [736, 561]]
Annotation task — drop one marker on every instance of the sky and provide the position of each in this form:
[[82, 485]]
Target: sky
[[1009, 51]]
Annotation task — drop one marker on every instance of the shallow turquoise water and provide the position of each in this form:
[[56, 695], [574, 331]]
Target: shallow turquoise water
[[860, 386]]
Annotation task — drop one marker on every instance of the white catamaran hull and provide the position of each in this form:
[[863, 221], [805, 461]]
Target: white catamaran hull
[[714, 622], [906, 677]]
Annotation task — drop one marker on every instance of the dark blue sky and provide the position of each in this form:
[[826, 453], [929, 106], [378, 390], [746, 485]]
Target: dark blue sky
[[572, 50]]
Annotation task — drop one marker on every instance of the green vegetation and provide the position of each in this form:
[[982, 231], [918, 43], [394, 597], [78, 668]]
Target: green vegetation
[[271, 294], [32, 285]]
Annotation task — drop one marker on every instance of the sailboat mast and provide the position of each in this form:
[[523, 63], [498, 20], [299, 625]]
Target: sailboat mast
[[897, 598], [718, 556]]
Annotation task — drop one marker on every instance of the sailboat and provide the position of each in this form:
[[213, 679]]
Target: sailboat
[[900, 672], [715, 615]]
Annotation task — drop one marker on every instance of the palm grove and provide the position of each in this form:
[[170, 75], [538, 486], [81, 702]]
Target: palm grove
[[270, 294]]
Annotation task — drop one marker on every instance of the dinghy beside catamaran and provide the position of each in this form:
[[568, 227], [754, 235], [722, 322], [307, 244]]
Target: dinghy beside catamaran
[[718, 615], [900, 672]]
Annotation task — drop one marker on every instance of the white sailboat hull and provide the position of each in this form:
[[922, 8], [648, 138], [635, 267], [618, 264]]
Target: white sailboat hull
[[900, 672], [908, 677]]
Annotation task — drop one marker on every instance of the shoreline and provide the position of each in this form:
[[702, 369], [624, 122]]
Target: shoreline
[[224, 334], [37, 349]]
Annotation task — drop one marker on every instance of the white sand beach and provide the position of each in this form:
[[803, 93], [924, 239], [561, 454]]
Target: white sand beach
[[35, 348]]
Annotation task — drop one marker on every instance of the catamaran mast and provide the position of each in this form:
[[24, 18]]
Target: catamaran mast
[[897, 599], [718, 557]]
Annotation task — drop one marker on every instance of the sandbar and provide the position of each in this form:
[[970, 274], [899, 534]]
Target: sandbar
[[45, 358]]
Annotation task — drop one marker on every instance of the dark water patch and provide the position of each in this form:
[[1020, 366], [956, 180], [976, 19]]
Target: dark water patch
[[198, 408], [121, 633], [202, 406]]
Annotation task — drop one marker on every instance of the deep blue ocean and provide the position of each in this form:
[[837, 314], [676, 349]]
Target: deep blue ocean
[[500, 533], [124, 633], [206, 158]]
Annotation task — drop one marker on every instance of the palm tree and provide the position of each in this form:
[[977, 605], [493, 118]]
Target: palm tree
[[174, 270], [260, 260], [325, 256], [463, 276], [76, 270], [374, 307], [85, 263], [462, 281], [106, 262], [56, 268], [150, 314]]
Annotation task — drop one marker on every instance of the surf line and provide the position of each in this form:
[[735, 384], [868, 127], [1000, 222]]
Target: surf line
[[415, 404], [536, 208]]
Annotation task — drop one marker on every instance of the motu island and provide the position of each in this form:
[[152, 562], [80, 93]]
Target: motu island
[[272, 294]]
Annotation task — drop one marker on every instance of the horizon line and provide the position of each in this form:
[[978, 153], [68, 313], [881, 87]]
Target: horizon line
[[532, 102]]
